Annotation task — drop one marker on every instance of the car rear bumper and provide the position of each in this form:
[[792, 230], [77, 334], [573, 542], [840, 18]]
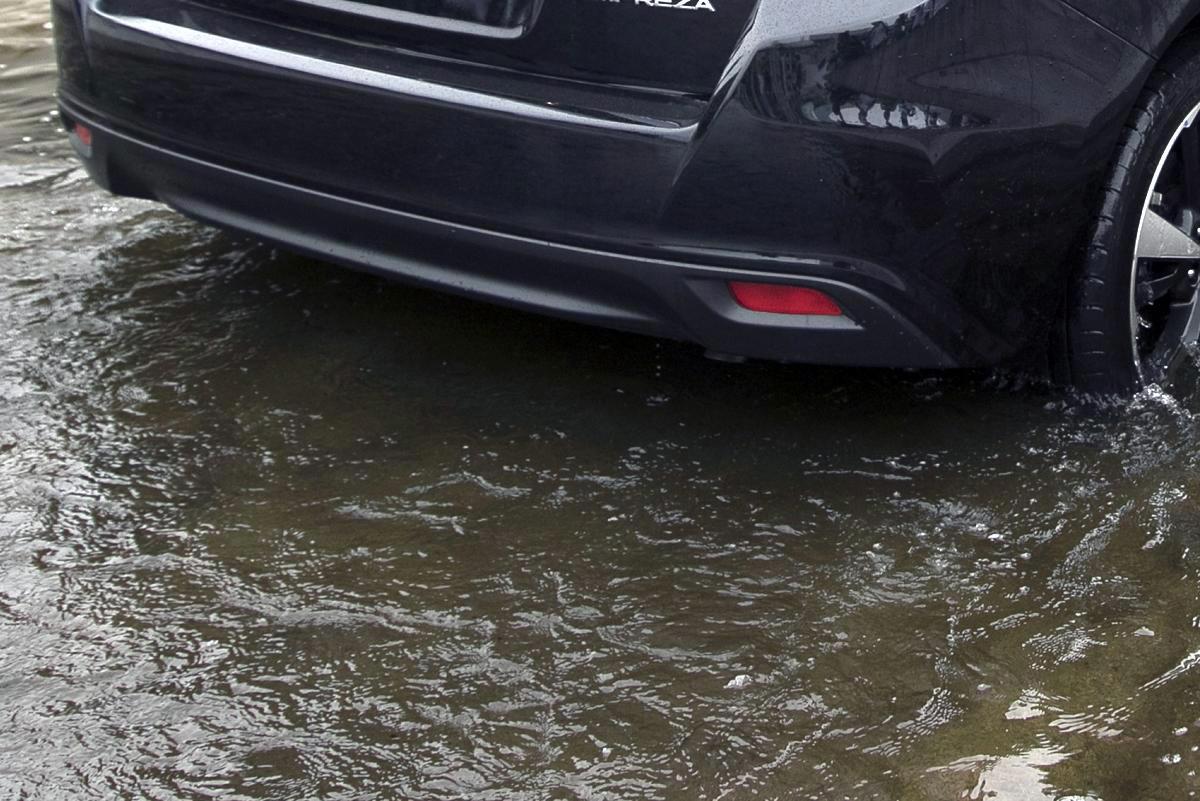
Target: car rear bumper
[[665, 298], [938, 203]]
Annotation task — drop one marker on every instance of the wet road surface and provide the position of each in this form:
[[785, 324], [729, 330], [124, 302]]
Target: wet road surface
[[272, 529]]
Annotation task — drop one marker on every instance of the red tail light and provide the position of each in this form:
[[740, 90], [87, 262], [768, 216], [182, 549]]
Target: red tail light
[[783, 299], [84, 134]]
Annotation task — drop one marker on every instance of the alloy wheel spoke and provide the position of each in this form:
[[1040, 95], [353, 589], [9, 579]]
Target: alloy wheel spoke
[[1165, 302], [1153, 288], [1160, 239]]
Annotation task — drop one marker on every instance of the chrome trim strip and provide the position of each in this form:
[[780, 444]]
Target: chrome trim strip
[[412, 18], [387, 82]]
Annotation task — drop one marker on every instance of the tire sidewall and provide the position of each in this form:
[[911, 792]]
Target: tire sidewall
[[1104, 356]]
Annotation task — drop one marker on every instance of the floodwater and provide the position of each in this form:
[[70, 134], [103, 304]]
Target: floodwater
[[272, 529]]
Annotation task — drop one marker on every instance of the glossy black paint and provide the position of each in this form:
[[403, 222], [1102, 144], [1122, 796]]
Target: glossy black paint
[[940, 158], [588, 40], [645, 295], [1150, 24]]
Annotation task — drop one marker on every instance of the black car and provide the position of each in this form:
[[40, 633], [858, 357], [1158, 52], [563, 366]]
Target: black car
[[869, 182]]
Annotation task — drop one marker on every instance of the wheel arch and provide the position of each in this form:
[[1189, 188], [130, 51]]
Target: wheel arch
[[1079, 354], [1188, 25]]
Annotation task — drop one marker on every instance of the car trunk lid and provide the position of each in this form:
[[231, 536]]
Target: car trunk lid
[[675, 45]]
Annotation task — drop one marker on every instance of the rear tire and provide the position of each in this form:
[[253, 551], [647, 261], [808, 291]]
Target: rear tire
[[1133, 305]]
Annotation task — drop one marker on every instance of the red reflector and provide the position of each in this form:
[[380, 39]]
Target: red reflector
[[84, 134], [782, 299]]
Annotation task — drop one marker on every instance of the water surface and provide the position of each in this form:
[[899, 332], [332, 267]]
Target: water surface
[[271, 529]]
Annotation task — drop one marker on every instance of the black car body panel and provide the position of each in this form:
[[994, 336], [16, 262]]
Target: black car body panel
[[657, 296], [588, 40], [932, 165], [1151, 25]]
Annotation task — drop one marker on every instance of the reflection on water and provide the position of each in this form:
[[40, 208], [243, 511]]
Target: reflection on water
[[274, 530], [1019, 776]]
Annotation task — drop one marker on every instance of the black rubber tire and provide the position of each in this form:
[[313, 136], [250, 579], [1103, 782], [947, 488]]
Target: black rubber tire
[[1100, 357]]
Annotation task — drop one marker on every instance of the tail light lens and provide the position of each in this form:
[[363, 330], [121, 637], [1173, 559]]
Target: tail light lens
[[783, 299]]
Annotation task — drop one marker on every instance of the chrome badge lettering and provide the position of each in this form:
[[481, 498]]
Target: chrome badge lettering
[[686, 5]]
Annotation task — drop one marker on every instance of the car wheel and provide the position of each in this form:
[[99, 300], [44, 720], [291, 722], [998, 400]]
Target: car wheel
[[1134, 310]]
